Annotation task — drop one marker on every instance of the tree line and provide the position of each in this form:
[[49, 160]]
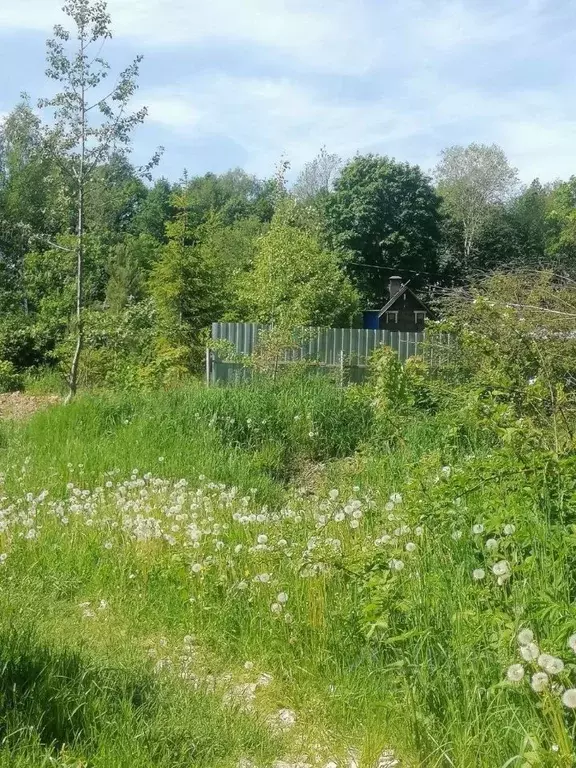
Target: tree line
[[113, 278]]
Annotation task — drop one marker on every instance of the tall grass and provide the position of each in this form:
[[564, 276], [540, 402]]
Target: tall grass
[[157, 603]]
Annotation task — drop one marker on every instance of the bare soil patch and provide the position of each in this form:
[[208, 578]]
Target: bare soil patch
[[19, 405]]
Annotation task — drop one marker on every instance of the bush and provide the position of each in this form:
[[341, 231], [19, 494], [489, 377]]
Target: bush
[[10, 380]]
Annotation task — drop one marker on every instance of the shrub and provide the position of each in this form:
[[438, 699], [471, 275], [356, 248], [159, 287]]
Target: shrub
[[10, 380]]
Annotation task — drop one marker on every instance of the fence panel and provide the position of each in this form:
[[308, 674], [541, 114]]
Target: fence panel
[[329, 348]]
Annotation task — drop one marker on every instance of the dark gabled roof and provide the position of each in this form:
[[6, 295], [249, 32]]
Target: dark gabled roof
[[401, 292]]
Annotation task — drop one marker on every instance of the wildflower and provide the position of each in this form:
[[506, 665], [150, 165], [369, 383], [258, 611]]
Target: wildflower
[[276, 608], [262, 539], [103, 605], [569, 698], [530, 652], [196, 568], [339, 516], [395, 565], [478, 574], [550, 664], [410, 547], [571, 639], [396, 498], [264, 679], [419, 531], [446, 471], [525, 637], [539, 682], [108, 545], [160, 459], [242, 585], [456, 535], [354, 523], [515, 673], [334, 493], [248, 665], [491, 545], [3, 558], [282, 598], [509, 529], [478, 529], [238, 548]]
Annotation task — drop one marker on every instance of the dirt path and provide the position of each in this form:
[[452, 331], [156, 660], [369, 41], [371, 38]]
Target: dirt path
[[19, 405]]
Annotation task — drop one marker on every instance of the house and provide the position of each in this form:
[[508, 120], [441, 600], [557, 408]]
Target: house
[[404, 311]]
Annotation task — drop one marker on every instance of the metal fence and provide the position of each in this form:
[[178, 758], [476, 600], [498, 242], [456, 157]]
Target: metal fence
[[341, 352]]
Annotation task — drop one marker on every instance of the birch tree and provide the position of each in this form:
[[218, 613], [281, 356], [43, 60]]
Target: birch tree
[[471, 180], [91, 121]]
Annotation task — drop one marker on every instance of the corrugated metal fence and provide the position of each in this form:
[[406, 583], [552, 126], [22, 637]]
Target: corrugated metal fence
[[340, 351]]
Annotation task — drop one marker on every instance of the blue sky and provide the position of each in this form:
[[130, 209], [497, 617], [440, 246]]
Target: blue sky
[[243, 82]]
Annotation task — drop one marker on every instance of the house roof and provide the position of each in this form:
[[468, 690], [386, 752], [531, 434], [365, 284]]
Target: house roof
[[401, 292]]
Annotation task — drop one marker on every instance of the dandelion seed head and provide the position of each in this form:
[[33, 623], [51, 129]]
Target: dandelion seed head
[[477, 529], [569, 698], [525, 637], [509, 529], [550, 664], [478, 574], [501, 568], [515, 673], [539, 682], [529, 652]]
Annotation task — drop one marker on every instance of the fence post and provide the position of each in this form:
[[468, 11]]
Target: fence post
[[208, 366]]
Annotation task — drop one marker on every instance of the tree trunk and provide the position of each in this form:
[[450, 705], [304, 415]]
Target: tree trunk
[[73, 377]]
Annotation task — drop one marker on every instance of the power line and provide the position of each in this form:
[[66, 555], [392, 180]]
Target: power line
[[393, 269]]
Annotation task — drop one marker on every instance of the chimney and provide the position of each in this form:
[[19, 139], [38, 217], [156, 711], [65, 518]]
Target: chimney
[[394, 285]]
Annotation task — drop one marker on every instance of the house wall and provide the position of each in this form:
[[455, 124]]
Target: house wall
[[405, 305]]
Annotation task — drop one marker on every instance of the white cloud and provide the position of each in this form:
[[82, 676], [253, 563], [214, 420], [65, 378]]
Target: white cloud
[[268, 118], [404, 77], [314, 34]]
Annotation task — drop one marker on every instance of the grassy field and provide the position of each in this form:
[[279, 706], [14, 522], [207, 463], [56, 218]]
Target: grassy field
[[253, 577]]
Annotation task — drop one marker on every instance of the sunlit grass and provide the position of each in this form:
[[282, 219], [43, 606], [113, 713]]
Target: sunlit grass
[[273, 593]]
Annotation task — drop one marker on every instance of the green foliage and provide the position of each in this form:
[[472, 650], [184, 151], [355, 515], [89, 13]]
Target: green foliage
[[10, 380], [295, 280], [384, 215]]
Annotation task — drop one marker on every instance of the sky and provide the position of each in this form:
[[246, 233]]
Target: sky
[[243, 83]]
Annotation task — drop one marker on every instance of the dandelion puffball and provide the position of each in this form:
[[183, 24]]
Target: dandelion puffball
[[491, 544], [529, 652], [509, 529], [477, 529], [550, 664], [539, 682], [569, 698], [525, 637], [478, 574], [572, 642], [501, 568], [515, 673]]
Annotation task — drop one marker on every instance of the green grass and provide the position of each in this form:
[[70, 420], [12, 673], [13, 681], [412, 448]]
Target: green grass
[[129, 615]]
